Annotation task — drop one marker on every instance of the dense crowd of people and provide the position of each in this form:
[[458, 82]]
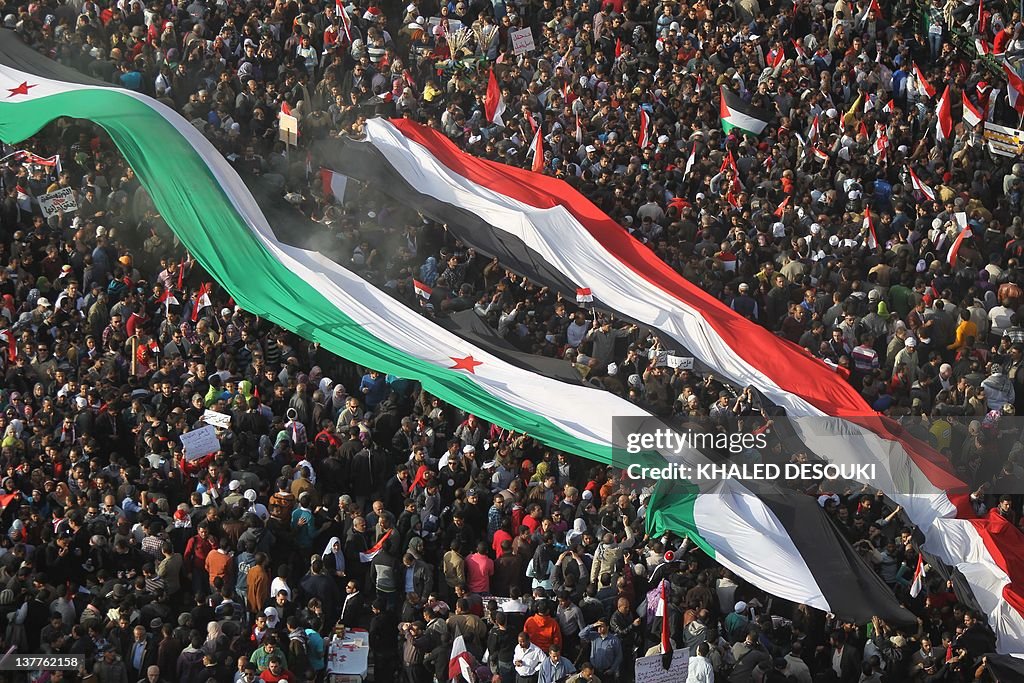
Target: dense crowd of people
[[155, 568]]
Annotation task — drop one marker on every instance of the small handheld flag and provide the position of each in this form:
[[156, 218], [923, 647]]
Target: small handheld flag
[[782, 207], [1014, 88], [494, 103], [377, 547], [972, 114], [644, 139], [919, 572], [691, 161], [869, 226], [922, 82], [538, 151], [460, 664], [422, 290], [925, 190], [957, 243], [202, 300], [944, 118]]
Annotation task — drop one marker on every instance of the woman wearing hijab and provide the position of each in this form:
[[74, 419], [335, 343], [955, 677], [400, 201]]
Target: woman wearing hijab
[[216, 641], [61, 496], [336, 400], [334, 562], [11, 440], [541, 473]]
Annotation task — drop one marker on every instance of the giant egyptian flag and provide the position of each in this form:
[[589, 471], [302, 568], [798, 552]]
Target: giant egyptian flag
[[260, 253], [547, 231]]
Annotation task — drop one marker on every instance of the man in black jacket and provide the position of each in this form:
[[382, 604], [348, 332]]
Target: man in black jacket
[[353, 607], [383, 640], [140, 654], [317, 584], [417, 574]]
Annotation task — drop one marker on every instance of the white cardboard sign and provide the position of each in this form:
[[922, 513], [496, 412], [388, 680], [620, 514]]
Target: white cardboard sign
[[212, 417], [200, 442], [522, 41], [58, 201]]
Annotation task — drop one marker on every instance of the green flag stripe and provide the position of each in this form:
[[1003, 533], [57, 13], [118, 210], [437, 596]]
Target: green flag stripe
[[191, 200]]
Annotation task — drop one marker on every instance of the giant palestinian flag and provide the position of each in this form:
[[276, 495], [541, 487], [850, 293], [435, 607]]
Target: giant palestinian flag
[[260, 253], [547, 231]]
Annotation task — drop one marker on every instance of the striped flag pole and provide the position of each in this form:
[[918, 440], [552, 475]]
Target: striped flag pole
[[666, 628], [6, 655]]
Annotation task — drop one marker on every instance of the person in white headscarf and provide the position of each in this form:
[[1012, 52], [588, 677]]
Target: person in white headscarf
[[334, 561], [336, 399], [579, 527]]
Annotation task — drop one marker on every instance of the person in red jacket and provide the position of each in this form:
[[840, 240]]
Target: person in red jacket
[[196, 550], [543, 629], [1002, 40], [276, 672]]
